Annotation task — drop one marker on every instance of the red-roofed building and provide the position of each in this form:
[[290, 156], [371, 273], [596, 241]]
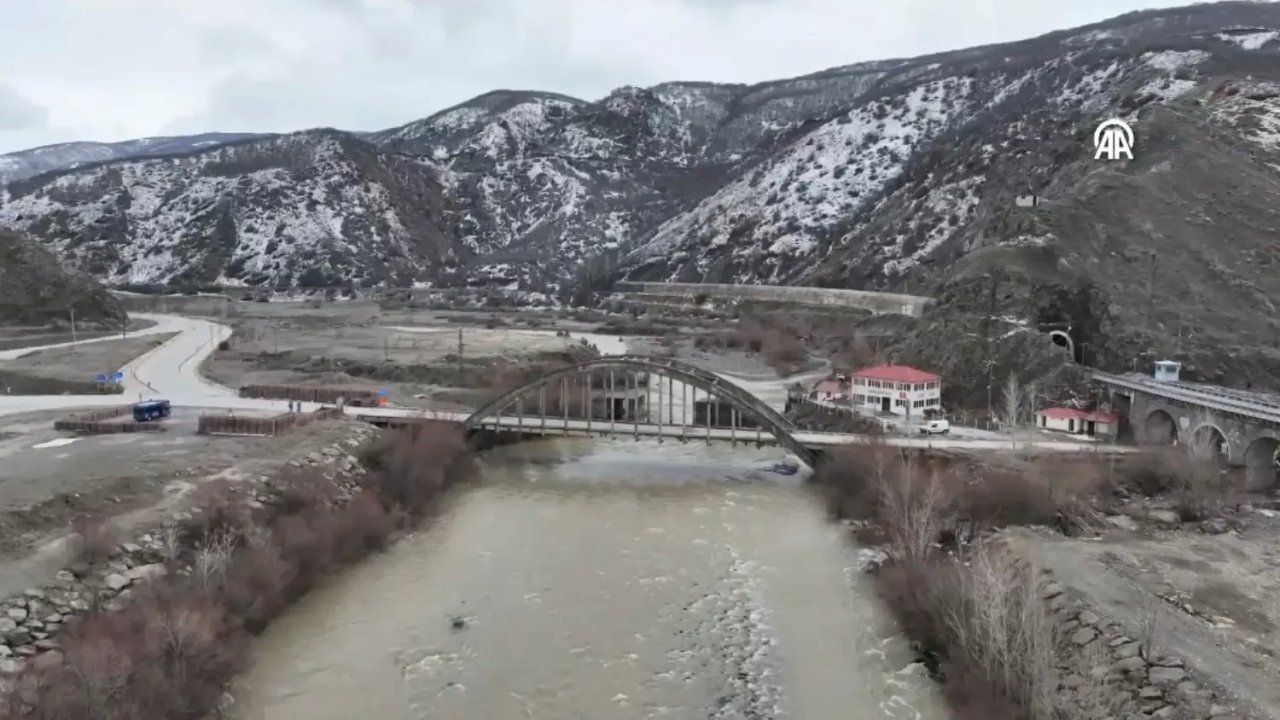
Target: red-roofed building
[[897, 389], [1076, 421]]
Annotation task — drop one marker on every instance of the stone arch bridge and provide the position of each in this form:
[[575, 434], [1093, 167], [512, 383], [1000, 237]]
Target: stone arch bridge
[[1244, 428]]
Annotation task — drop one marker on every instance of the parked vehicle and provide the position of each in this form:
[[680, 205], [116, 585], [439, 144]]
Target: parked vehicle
[[935, 427], [149, 410]]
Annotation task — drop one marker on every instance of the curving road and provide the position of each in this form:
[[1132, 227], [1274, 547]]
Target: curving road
[[172, 371]]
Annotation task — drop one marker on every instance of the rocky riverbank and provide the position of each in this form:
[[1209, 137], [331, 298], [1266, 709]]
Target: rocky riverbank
[[31, 622], [157, 626]]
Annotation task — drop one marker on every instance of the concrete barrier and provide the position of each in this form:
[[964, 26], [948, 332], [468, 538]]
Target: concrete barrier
[[875, 302]]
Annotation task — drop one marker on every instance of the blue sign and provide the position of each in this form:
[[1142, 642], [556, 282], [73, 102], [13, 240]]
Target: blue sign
[[117, 376], [383, 392], [101, 378]]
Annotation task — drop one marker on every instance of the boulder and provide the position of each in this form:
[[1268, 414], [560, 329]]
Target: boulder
[[1216, 526], [1130, 664], [116, 581], [1167, 675], [16, 613], [1165, 517], [1084, 636], [1128, 650]]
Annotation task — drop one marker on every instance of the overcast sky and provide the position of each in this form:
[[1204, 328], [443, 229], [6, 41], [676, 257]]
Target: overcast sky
[[118, 69]]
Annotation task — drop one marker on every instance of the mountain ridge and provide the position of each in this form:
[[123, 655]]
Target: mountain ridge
[[894, 175]]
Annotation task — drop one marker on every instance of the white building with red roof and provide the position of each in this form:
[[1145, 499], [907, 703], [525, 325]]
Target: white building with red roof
[[897, 389], [1075, 421]]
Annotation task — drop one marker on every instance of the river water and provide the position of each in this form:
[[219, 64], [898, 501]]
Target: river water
[[599, 580]]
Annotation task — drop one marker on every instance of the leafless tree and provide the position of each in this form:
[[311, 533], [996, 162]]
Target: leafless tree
[[1012, 399]]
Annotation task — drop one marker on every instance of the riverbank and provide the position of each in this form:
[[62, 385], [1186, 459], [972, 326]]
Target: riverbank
[[978, 569], [158, 625]]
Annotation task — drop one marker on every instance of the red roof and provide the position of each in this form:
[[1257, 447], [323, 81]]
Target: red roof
[[1062, 413], [897, 373], [831, 385]]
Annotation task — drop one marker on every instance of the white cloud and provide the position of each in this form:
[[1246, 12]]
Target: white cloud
[[129, 68]]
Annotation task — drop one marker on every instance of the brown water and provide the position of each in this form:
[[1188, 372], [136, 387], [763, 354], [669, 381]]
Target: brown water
[[599, 581]]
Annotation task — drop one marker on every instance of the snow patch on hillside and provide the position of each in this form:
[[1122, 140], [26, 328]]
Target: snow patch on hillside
[[1250, 40], [785, 205]]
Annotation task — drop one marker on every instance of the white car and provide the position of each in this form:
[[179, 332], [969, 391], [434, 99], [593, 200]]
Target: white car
[[935, 427]]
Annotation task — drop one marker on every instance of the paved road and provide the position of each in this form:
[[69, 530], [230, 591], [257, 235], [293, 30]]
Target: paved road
[[164, 324], [171, 371]]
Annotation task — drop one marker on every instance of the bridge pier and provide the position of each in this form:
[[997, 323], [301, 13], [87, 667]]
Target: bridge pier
[[1204, 432]]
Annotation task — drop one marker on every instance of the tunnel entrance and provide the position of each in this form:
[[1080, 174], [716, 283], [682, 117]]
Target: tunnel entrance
[[1160, 429], [1262, 464]]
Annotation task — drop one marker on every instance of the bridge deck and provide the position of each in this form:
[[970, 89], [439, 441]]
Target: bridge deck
[[1256, 406], [816, 440]]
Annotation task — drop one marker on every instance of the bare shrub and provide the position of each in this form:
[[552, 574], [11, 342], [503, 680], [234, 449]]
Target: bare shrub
[[1149, 628], [212, 557], [365, 526], [95, 538], [853, 475], [915, 510], [220, 506], [411, 468], [302, 489]]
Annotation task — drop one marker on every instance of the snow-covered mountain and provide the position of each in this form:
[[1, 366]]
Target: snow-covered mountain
[[49, 158], [881, 175]]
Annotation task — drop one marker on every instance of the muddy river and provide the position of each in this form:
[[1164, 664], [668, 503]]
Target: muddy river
[[604, 580]]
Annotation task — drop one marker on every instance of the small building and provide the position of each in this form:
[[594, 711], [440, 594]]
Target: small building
[[1102, 424], [896, 390], [1027, 200], [1078, 422], [1168, 371], [1061, 419], [833, 387]]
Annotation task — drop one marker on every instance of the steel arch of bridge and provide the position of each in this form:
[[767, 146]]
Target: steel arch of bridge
[[715, 386]]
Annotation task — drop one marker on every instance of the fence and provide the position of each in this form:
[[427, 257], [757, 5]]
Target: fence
[[104, 422], [311, 393], [233, 425]]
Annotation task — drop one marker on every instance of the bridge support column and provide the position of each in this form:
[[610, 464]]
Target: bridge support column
[[613, 409], [671, 400], [733, 427], [684, 409], [634, 382], [564, 405], [520, 415], [658, 409], [542, 407]]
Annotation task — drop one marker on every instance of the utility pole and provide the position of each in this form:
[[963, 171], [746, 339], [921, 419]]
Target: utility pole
[[73, 328], [460, 350], [1151, 285]]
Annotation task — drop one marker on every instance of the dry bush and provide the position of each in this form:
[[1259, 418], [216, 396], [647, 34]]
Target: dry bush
[[852, 477], [365, 526], [220, 506], [916, 509], [300, 489], [409, 471], [94, 539], [255, 590]]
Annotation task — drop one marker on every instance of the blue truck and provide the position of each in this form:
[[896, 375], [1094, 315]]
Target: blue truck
[[151, 410]]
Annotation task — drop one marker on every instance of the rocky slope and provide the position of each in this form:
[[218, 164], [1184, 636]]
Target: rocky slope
[[896, 175], [49, 158], [35, 290]]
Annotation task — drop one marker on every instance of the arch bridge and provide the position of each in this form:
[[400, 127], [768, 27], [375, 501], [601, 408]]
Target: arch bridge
[[1242, 428], [639, 395]]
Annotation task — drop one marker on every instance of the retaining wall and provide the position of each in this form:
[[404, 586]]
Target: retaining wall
[[876, 302]]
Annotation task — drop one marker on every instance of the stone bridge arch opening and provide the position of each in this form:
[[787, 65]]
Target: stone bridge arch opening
[[617, 394], [1262, 463], [1208, 442], [1160, 428]]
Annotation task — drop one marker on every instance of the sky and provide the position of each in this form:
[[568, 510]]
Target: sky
[[111, 70]]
